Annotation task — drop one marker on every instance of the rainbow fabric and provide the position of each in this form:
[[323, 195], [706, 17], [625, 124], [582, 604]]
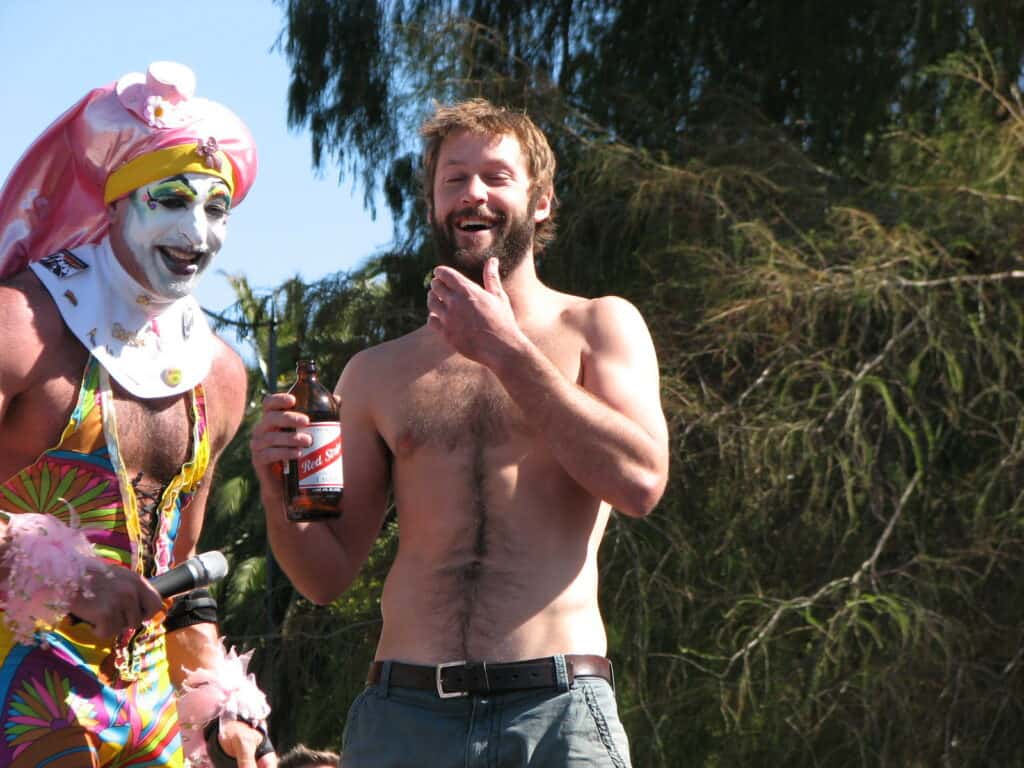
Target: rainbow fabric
[[75, 699]]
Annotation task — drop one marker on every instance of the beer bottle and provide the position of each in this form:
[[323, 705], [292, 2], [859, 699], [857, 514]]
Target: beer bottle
[[314, 482]]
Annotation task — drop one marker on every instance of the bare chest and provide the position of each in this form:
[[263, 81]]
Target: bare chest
[[455, 406], [154, 437], [452, 403]]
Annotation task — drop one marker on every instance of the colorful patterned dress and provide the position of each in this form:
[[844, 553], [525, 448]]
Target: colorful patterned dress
[[75, 700]]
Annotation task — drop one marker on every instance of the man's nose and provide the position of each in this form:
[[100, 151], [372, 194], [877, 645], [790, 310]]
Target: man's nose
[[195, 228], [475, 192]]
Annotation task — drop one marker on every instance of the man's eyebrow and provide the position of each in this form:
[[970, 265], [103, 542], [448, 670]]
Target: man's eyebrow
[[493, 163], [183, 180], [220, 191]]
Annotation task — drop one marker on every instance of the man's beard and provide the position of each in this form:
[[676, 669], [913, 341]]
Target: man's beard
[[511, 240]]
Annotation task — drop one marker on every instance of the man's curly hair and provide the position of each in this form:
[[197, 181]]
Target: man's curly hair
[[483, 117]]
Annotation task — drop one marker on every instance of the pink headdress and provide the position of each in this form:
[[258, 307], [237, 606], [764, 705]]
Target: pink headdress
[[56, 196]]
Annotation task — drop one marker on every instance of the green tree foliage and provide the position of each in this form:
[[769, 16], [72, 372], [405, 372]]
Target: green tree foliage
[[817, 208]]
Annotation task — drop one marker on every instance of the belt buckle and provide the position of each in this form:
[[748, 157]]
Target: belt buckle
[[440, 688]]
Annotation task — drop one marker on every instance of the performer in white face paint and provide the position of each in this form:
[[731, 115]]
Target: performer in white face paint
[[115, 401], [168, 232]]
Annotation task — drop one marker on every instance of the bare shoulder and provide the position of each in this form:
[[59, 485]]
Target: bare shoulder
[[227, 366], [226, 387], [30, 321], [373, 367], [26, 306], [604, 321]]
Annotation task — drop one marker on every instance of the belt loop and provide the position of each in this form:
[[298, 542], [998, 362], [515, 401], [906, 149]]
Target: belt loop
[[385, 679], [561, 672]]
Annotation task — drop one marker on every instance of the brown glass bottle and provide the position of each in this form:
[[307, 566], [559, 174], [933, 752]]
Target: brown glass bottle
[[314, 482]]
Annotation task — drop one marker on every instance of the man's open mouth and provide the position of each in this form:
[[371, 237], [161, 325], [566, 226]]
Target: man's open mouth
[[475, 224], [180, 261]]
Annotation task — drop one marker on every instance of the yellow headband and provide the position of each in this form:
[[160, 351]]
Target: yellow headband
[[169, 161]]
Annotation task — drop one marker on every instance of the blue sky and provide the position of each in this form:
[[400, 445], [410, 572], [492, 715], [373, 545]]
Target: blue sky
[[294, 221]]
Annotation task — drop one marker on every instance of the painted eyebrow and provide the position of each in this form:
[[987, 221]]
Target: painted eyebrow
[[179, 180], [220, 193]]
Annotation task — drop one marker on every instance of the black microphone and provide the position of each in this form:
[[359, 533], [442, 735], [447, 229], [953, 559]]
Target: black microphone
[[198, 571]]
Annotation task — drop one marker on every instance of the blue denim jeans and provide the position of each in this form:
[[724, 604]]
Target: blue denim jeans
[[576, 726]]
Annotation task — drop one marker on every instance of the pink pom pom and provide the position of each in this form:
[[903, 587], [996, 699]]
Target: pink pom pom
[[226, 690], [47, 563]]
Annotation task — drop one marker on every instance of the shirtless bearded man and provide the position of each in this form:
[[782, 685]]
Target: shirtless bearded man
[[115, 401], [508, 426]]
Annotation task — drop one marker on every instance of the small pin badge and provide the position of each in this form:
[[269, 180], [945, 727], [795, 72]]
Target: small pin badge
[[171, 376], [125, 336], [64, 264]]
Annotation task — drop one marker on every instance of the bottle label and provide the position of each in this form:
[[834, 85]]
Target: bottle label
[[320, 465]]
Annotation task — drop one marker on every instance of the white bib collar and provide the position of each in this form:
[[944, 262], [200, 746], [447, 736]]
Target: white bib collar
[[151, 346]]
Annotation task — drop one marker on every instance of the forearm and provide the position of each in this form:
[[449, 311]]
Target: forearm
[[193, 647], [608, 454], [221, 709], [310, 554]]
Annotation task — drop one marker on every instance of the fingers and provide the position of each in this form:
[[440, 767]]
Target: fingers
[[278, 401], [445, 280], [241, 741], [435, 304], [150, 599], [492, 277], [116, 599], [274, 437], [449, 278]]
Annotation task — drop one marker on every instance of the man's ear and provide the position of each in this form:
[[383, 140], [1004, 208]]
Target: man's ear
[[113, 211], [543, 207]]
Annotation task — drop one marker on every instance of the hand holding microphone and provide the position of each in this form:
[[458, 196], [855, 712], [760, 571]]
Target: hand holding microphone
[[199, 571], [119, 599]]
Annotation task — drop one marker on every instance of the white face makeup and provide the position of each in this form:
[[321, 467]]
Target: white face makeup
[[165, 234]]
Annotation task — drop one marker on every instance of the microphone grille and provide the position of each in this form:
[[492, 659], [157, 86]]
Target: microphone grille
[[216, 565]]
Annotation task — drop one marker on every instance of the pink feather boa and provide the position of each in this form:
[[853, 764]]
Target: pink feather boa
[[47, 564], [226, 691]]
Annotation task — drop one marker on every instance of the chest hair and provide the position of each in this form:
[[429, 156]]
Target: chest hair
[[154, 436], [458, 407]]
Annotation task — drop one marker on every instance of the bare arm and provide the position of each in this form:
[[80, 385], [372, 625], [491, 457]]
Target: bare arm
[[20, 345], [323, 558], [198, 646], [30, 324], [608, 432], [193, 647], [36, 354]]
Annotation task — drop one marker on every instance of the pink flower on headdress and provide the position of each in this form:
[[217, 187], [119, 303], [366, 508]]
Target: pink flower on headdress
[[158, 110], [208, 152]]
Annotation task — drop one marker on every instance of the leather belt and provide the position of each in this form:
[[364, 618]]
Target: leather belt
[[461, 678]]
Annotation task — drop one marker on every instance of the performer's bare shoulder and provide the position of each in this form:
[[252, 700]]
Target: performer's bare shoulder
[[40, 371]]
